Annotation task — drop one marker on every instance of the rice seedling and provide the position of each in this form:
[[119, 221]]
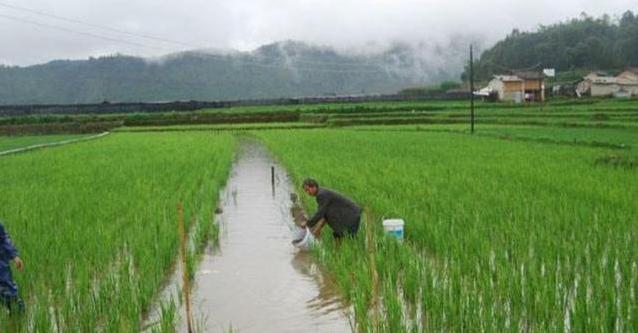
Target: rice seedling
[[14, 142], [519, 228], [501, 235], [96, 223]]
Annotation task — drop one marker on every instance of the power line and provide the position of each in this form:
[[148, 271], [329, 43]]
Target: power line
[[349, 63], [55, 27], [76, 21], [509, 69], [156, 38], [294, 68], [219, 57]]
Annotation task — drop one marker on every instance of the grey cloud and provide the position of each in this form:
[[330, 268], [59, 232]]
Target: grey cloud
[[247, 24]]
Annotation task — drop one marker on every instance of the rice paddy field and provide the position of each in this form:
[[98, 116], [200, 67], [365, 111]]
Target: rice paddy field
[[95, 223], [10, 143], [527, 225], [501, 235]]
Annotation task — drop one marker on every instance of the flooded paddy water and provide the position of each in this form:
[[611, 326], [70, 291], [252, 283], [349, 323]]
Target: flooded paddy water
[[254, 280]]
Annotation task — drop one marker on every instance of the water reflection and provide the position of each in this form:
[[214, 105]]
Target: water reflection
[[255, 281], [328, 299]]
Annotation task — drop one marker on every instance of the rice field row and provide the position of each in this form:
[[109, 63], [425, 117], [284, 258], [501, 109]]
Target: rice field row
[[586, 112], [96, 223], [218, 127], [625, 140], [502, 236], [516, 228], [15, 142]]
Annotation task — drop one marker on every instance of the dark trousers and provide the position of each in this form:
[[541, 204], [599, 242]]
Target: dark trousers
[[8, 290], [15, 304], [349, 231]]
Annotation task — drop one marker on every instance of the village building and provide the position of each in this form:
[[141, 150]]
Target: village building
[[600, 84], [597, 84], [628, 81], [630, 74], [518, 87]]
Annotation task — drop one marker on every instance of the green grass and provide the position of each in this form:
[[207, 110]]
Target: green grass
[[217, 127], [14, 142], [530, 224], [581, 113], [624, 139], [501, 235], [96, 223], [599, 113]]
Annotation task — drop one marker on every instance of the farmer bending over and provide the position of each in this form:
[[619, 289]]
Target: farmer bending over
[[341, 213], [8, 289]]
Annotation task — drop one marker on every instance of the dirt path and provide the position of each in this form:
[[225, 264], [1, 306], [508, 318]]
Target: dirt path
[[51, 144]]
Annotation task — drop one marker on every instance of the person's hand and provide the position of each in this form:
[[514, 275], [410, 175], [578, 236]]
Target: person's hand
[[19, 263], [318, 227]]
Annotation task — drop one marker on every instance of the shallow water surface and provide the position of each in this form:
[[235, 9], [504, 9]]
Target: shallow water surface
[[255, 280]]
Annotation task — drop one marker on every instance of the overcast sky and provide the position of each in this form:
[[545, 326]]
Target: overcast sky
[[28, 38]]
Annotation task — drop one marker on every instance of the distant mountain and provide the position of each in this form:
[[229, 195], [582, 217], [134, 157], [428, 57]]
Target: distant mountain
[[284, 69], [584, 43]]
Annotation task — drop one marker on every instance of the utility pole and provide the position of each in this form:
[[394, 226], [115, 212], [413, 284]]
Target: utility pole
[[471, 90], [541, 82]]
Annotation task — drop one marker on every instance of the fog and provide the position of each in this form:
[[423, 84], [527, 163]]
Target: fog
[[37, 31]]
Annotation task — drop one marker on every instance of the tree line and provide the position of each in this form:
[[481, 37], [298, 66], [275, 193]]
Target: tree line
[[583, 43]]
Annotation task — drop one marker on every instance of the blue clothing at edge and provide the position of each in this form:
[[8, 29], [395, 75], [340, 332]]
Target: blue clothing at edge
[[8, 288]]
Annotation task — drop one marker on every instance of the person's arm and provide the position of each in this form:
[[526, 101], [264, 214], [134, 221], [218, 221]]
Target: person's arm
[[324, 200], [316, 230], [9, 249]]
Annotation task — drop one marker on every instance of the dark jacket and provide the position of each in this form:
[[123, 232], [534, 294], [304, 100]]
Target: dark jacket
[[8, 252], [340, 212]]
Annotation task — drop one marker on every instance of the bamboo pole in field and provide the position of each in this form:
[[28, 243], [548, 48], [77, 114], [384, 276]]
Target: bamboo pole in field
[[373, 270], [186, 281]]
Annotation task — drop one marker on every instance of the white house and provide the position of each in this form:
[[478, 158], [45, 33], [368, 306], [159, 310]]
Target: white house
[[599, 84]]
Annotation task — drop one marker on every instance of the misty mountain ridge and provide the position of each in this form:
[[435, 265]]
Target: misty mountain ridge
[[282, 69]]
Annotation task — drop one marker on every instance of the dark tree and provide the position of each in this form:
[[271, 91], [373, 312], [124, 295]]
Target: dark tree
[[584, 43]]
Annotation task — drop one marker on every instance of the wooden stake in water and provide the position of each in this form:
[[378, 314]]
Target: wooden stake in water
[[186, 280], [272, 180], [373, 270]]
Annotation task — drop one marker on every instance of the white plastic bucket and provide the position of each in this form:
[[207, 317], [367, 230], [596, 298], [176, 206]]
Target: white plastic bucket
[[297, 233], [394, 228], [303, 239]]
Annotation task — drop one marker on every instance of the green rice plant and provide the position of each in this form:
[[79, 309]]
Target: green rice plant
[[96, 223], [501, 235], [217, 127], [15, 142], [168, 318], [597, 113]]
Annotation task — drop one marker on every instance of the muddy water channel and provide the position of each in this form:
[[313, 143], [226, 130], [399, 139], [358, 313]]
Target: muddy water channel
[[254, 280]]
